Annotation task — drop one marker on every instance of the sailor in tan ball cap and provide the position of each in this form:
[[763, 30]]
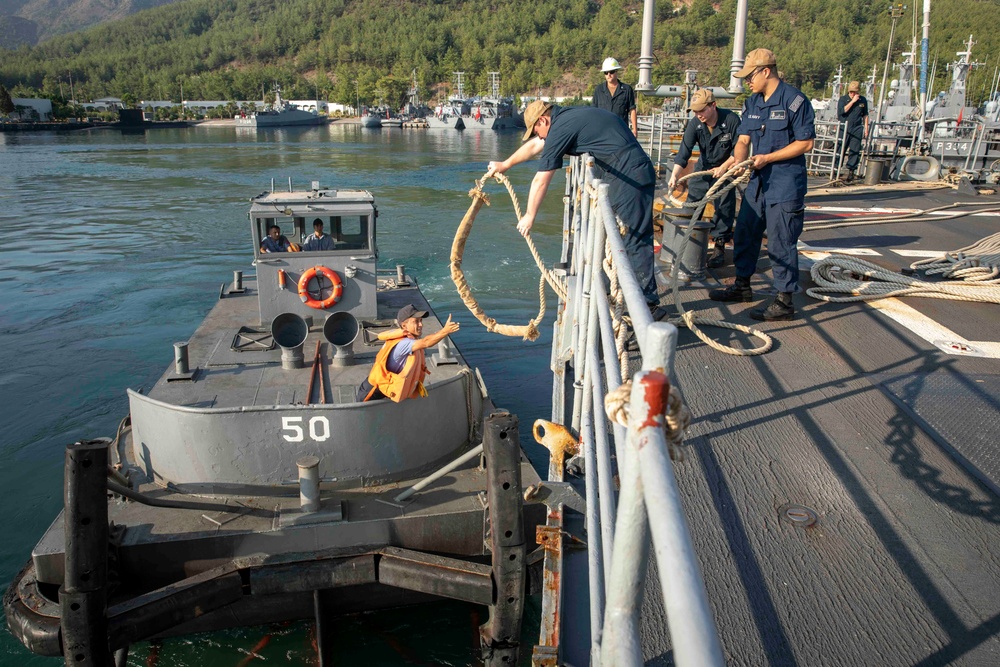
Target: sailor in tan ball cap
[[778, 124]]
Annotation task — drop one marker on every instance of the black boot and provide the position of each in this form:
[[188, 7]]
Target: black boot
[[717, 258], [738, 291], [781, 309]]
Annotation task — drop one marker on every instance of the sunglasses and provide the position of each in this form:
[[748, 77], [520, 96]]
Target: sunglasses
[[751, 75]]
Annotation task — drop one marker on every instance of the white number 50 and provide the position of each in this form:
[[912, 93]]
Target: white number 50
[[319, 428]]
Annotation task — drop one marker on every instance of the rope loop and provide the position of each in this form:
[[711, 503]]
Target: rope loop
[[676, 416]]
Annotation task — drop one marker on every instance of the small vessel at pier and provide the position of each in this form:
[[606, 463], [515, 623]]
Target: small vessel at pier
[[248, 485]]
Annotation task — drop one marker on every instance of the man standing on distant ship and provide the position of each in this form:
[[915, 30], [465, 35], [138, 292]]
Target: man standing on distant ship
[[778, 122], [554, 132], [852, 109], [615, 96], [714, 131]]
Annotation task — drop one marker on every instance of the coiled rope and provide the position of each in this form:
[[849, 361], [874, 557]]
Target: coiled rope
[[691, 319], [979, 262], [864, 281], [528, 331]]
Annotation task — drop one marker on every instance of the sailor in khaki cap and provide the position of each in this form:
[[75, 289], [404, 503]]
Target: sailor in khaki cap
[[852, 109], [777, 123], [714, 131]]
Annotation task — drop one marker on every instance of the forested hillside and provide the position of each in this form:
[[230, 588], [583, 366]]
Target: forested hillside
[[345, 49]]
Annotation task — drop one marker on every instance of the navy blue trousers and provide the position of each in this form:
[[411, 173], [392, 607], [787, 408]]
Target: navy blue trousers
[[634, 205], [783, 223]]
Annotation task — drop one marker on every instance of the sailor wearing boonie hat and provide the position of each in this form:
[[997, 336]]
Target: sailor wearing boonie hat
[[778, 124], [852, 109]]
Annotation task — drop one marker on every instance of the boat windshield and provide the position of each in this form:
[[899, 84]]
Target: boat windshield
[[340, 232]]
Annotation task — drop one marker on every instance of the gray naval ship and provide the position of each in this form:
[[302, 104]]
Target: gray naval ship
[[248, 486]]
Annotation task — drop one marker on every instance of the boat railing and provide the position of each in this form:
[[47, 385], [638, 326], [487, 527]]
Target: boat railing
[[588, 366]]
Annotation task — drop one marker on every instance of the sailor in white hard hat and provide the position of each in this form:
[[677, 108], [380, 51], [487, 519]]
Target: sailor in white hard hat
[[616, 96]]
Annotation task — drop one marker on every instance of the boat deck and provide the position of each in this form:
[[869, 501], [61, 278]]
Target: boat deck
[[864, 422], [252, 376]]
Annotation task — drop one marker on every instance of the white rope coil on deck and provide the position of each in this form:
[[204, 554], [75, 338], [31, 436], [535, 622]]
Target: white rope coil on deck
[[979, 262], [864, 281]]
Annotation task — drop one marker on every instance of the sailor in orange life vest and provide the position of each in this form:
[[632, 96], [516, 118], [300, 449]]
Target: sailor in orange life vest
[[399, 368]]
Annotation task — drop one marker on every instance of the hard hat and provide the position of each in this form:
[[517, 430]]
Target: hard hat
[[610, 65]]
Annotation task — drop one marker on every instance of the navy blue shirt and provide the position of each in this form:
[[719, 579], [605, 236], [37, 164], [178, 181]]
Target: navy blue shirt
[[620, 104], [605, 136], [855, 118], [771, 125], [715, 145]]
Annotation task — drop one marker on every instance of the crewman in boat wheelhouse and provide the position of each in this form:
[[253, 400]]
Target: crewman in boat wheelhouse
[[274, 241], [399, 369], [778, 123], [318, 240], [714, 131]]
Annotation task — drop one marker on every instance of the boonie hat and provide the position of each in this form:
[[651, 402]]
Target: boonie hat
[[610, 65], [756, 58], [532, 113], [854, 87], [408, 311], [701, 99]]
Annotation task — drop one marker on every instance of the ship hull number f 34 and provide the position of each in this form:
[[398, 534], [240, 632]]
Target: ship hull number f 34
[[293, 428]]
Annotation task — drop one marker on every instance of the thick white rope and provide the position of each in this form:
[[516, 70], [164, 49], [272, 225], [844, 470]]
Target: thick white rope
[[692, 319], [979, 262], [864, 281]]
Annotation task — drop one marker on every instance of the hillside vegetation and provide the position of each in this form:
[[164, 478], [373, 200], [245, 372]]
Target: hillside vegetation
[[342, 50]]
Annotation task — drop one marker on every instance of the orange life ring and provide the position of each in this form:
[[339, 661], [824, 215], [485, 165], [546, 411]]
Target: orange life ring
[[338, 287]]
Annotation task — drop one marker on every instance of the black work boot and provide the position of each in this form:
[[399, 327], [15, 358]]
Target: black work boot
[[717, 258], [781, 309], [738, 291]]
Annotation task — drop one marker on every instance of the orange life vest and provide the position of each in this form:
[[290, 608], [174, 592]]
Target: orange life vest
[[409, 382]]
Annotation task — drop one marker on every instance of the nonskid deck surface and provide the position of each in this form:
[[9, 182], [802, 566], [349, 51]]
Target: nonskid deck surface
[[225, 377], [843, 417]]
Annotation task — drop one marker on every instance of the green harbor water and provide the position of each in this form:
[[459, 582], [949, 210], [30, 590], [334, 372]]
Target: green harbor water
[[115, 246]]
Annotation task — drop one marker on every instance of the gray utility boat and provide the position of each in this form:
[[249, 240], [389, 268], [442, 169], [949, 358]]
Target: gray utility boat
[[248, 483]]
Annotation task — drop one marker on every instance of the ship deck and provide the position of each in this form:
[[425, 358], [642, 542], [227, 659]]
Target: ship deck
[[865, 422]]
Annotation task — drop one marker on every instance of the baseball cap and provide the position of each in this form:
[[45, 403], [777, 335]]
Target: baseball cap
[[408, 311], [701, 99], [854, 87], [756, 58], [532, 113]]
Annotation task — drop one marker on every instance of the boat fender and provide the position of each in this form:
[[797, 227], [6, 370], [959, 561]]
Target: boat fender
[[329, 274], [281, 278], [933, 168]]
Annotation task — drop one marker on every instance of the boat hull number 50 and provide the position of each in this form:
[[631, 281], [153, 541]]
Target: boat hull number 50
[[294, 430]]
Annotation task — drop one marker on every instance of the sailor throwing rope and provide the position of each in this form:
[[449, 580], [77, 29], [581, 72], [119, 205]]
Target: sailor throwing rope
[[554, 132]]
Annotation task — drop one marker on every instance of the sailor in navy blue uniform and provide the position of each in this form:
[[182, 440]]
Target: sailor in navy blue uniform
[[554, 132], [714, 131], [852, 109], [778, 123]]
